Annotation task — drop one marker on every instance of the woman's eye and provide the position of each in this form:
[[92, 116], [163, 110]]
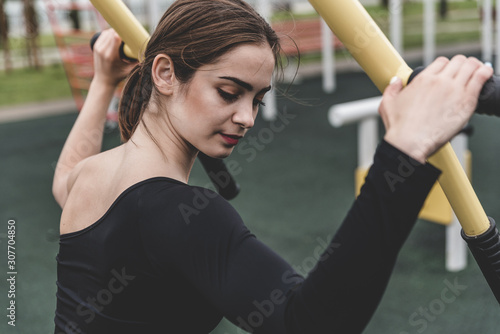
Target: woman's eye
[[228, 97], [257, 102]]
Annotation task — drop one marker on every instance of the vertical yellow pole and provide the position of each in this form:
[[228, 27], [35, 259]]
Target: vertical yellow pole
[[121, 19], [351, 23]]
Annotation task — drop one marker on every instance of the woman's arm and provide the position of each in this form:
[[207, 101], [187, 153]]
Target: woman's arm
[[85, 138], [256, 289]]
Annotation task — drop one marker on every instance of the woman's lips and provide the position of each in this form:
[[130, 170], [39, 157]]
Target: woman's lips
[[231, 139]]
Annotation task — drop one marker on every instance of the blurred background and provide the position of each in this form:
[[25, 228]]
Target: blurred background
[[297, 183]]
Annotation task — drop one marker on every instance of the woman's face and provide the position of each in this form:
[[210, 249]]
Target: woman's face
[[220, 103]]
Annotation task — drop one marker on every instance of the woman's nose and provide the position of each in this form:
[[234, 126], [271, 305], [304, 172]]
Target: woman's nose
[[245, 115]]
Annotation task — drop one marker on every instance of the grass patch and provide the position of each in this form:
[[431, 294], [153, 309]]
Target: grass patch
[[28, 85], [19, 43]]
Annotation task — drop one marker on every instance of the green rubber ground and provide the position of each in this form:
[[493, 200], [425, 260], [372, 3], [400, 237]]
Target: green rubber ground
[[296, 187]]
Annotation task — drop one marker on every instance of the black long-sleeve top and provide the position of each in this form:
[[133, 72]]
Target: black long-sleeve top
[[172, 258]]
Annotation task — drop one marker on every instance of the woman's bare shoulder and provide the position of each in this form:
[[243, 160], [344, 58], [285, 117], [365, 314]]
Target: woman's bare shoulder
[[92, 188], [92, 167]]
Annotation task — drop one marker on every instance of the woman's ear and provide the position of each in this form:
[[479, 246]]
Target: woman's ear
[[163, 74]]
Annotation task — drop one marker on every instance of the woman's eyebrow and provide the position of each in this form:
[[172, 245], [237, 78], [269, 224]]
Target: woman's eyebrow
[[244, 84]]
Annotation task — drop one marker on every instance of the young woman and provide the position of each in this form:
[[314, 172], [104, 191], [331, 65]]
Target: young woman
[[140, 253]]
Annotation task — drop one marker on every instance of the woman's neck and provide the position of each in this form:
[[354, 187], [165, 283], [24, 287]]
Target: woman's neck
[[161, 152]]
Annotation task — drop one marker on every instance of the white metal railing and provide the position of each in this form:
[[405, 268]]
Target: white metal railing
[[365, 114]]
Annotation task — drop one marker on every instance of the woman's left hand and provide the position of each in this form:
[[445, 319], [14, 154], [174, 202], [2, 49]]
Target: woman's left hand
[[422, 117], [108, 66]]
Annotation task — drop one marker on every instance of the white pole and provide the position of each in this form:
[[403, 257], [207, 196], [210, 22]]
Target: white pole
[[367, 141], [154, 14], [264, 7], [351, 112], [487, 38], [327, 58], [395, 24], [269, 112], [365, 112], [456, 247], [497, 65], [429, 32]]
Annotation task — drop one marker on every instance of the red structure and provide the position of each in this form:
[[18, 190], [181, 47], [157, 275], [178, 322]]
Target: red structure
[[72, 40], [306, 33]]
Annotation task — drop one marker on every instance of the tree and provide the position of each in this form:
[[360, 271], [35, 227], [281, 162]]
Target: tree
[[443, 8], [4, 37], [32, 32], [74, 15]]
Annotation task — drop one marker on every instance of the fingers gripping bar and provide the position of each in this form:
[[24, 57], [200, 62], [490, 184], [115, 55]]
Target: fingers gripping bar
[[351, 23], [123, 54], [489, 98]]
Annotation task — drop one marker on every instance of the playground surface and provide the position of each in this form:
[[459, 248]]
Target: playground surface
[[296, 189]]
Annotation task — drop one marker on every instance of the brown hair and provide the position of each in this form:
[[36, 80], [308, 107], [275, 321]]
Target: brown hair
[[193, 33]]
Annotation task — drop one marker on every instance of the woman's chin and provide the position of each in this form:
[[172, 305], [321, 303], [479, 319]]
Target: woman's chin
[[219, 154]]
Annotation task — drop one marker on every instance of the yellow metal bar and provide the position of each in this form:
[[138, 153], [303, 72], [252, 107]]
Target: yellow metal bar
[[358, 32], [351, 23], [121, 19], [459, 192]]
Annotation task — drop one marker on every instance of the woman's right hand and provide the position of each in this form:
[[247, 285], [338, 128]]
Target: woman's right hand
[[109, 68], [438, 103]]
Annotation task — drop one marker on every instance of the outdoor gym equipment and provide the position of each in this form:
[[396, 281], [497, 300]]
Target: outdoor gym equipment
[[352, 24]]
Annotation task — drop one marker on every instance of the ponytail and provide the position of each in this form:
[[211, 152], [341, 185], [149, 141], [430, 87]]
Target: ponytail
[[135, 97]]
